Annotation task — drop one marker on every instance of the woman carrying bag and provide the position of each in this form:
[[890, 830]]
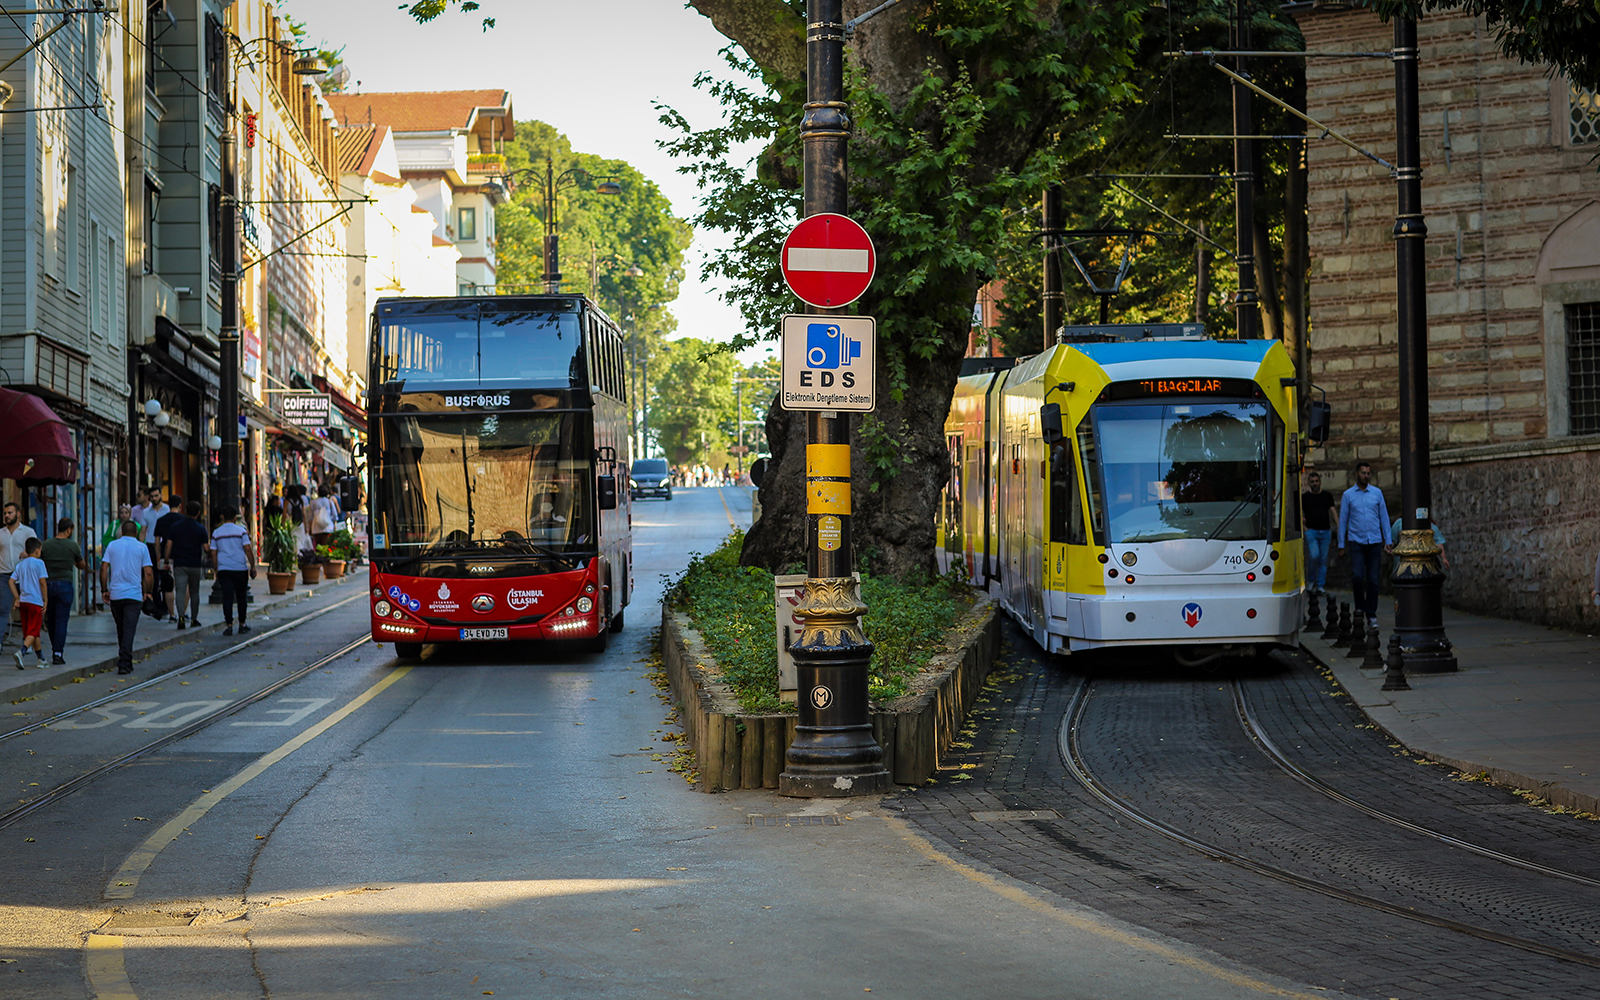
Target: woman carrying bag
[[319, 517]]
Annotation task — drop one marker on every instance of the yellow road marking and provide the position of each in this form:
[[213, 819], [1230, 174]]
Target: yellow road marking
[[726, 509], [922, 846], [125, 882], [108, 977]]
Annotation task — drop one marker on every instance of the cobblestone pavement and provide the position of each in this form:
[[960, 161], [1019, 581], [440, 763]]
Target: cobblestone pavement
[[1170, 743]]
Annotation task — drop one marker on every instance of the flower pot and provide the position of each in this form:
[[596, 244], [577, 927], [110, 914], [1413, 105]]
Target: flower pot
[[311, 573], [279, 583], [334, 569]]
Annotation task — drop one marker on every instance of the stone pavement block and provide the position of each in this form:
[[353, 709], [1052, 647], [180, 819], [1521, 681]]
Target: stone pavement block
[[1524, 707]]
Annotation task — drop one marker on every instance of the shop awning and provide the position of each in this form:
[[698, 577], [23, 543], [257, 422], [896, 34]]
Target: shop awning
[[35, 445]]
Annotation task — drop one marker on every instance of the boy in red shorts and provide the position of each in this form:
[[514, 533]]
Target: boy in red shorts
[[29, 593]]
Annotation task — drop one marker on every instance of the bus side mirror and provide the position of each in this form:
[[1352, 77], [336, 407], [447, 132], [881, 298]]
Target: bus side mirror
[[1321, 422], [1050, 422], [606, 490]]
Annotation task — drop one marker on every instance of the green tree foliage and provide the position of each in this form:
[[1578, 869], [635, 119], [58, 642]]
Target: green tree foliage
[[692, 406], [607, 234], [962, 113], [426, 10]]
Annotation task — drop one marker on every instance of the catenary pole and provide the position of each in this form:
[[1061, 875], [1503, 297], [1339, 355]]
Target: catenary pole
[[1420, 645], [834, 752], [1245, 301]]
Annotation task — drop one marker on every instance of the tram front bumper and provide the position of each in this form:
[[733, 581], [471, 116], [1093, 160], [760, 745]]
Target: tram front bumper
[[1176, 615]]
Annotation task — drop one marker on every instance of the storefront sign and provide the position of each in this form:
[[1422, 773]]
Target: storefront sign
[[250, 351], [305, 410]]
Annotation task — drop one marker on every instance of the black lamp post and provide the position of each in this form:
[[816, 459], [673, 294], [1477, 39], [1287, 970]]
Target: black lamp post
[[834, 752], [1421, 645], [1245, 301], [552, 184]]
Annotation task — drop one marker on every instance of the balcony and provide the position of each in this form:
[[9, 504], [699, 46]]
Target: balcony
[[486, 165]]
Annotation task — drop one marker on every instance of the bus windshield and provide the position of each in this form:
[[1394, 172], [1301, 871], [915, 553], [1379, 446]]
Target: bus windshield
[[500, 482], [465, 342], [1184, 470]]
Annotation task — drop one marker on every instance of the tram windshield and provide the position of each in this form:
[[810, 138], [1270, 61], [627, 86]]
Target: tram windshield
[[1184, 470], [482, 482]]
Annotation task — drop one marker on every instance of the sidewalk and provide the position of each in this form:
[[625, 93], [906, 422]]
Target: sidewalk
[[1524, 707], [92, 639]]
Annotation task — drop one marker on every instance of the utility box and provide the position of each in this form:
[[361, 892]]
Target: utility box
[[788, 591]]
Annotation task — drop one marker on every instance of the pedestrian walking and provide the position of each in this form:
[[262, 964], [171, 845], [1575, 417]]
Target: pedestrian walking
[[164, 574], [126, 579], [114, 529], [27, 585], [185, 553], [236, 566], [319, 517], [1364, 529], [1320, 517], [62, 558], [13, 536]]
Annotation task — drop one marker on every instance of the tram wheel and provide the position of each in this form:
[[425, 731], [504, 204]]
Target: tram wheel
[[408, 652]]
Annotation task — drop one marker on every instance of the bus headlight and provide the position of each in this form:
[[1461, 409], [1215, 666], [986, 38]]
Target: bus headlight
[[382, 609], [585, 605]]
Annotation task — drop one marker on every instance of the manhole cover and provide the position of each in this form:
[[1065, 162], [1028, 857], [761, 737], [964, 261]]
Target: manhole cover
[[1011, 815], [794, 820]]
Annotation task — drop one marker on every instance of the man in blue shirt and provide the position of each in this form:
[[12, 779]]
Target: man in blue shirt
[[126, 579], [1364, 528]]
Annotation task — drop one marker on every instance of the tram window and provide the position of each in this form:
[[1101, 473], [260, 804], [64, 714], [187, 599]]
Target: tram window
[[952, 499], [1066, 507], [1091, 462]]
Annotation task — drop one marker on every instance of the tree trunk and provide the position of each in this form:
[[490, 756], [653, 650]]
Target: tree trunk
[[1295, 252], [894, 534]]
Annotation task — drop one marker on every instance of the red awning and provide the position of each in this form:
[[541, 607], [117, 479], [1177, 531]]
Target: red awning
[[35, 446]]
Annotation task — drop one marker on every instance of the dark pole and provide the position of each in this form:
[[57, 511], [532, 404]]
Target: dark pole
[[1052, 296], [1244, 301], [1422, 646], [552, 232], [834, 752]]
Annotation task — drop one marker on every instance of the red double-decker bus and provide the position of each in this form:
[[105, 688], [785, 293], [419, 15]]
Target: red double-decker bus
[[498, 429]]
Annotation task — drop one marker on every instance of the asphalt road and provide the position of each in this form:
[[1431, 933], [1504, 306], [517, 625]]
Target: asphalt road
[[491, 821]]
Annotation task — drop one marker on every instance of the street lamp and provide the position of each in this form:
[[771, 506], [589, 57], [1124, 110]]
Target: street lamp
[[553, 183]]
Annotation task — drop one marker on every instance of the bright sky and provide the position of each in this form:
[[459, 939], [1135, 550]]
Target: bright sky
[[590, 69]]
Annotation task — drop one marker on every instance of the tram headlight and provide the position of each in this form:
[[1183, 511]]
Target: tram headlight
[[1129, 559], [585, 605], [382, 609]]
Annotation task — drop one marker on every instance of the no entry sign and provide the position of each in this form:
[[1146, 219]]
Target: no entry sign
[[828, 260]]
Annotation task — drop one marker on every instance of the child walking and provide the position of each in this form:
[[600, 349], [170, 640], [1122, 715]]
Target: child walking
[[28, 591]]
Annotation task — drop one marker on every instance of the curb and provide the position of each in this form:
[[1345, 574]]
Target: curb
[[747, 751], [1556, 794], [28, 688]]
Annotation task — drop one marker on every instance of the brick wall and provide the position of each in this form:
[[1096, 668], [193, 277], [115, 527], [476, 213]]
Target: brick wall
[[1498, 178]]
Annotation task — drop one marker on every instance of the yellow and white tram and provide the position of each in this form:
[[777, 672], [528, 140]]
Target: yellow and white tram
[[1133, 493]]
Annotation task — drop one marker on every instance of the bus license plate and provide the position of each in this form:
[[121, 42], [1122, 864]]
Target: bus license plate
[[482, 633]]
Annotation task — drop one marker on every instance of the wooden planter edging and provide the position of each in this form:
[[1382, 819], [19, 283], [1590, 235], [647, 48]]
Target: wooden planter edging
[[735, 750]]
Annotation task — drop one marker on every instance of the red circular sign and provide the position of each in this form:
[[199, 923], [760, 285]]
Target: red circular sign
[[828, 260]]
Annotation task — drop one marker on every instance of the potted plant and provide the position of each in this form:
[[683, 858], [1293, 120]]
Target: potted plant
[[333, 561], [311, 567], [278, 549], [344, 546]]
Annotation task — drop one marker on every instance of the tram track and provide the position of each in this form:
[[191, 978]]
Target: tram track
[[162, 678], [1265, 744], [60, 791], [1073, 759]]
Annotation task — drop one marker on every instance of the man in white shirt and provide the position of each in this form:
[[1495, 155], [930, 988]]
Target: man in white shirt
[[126, 579], [13, 536]]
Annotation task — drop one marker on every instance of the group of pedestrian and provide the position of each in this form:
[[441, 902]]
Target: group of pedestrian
[[1359, 522], [153, 560]]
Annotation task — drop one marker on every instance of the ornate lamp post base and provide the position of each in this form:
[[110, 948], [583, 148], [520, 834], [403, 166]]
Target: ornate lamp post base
[[834, 754], [1418, 582]]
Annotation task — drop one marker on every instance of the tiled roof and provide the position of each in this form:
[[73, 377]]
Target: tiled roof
[[358, 147], [424, 111]]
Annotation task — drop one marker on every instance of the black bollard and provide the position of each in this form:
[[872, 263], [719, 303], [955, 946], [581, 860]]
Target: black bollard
[[1332, 631], [1313, 614], [1343, 639], [1358, 638], [1374, 658]]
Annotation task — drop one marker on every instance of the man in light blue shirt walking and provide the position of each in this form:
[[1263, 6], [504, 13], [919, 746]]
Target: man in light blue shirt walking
[[1364, 528]]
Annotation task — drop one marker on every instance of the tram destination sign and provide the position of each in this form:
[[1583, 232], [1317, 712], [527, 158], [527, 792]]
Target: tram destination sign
[[829, 363]]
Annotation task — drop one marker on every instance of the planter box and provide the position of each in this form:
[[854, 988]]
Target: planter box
[[279, 583], [735, 750]]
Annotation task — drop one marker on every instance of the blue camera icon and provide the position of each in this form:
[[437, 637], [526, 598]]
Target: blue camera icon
[[826, 347]]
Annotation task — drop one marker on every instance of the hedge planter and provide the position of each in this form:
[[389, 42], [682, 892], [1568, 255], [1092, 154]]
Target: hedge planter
[[735, 750]]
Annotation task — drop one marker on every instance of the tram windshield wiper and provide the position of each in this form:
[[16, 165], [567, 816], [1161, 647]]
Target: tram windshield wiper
[[1253, 493]]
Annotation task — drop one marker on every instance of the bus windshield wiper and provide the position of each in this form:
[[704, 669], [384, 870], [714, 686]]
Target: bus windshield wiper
[[1252, 493]]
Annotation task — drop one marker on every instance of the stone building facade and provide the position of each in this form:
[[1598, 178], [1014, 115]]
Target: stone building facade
[[1512, 203]]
